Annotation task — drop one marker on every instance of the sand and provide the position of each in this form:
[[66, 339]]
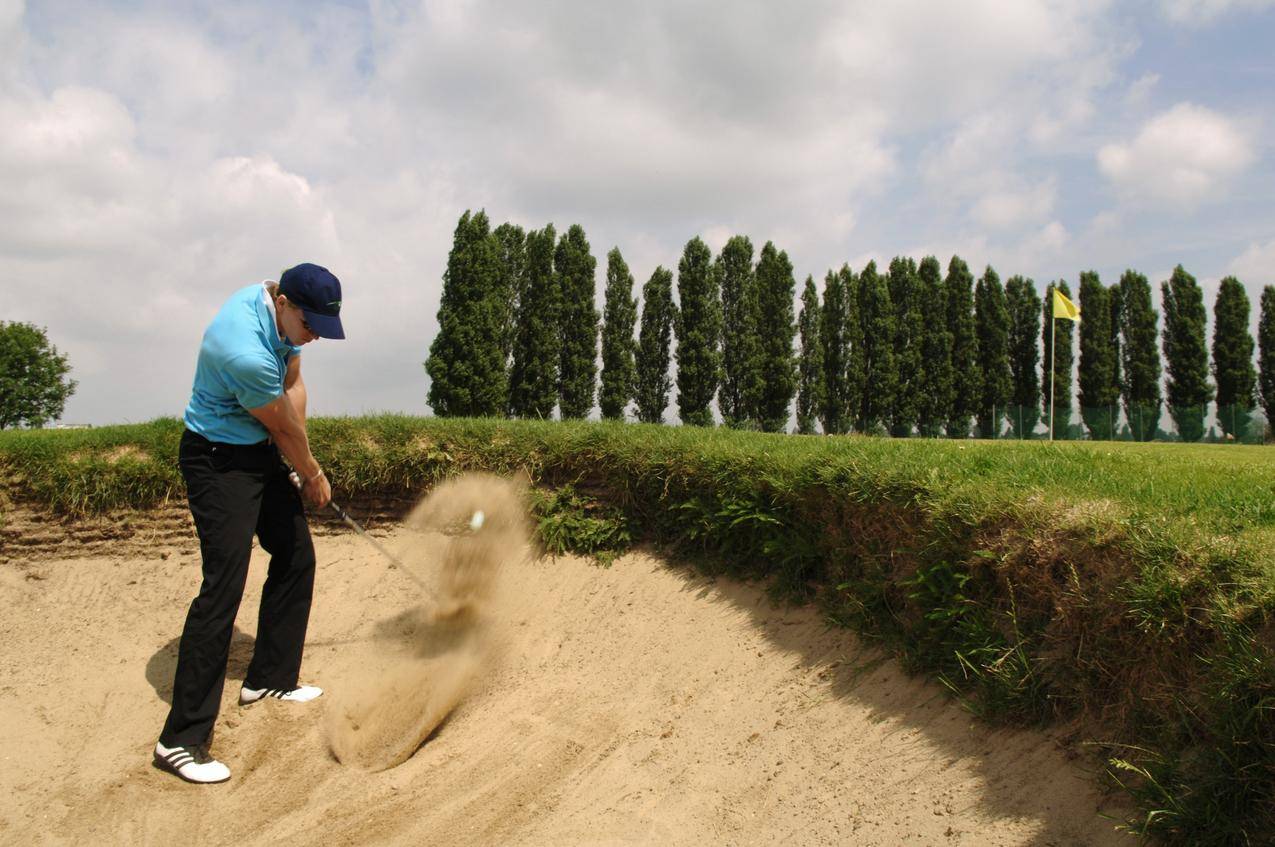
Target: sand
[[399, 686], [640, 704]]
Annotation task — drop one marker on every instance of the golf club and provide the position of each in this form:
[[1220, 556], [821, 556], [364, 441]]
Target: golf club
[[353, 524]]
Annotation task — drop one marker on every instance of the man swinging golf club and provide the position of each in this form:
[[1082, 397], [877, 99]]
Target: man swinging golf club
[[247, 407]]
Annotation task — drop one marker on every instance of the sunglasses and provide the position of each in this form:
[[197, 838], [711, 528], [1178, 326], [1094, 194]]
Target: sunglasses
[[304, 323]]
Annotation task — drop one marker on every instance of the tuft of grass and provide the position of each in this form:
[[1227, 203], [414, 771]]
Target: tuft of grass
[[93, 471], [1208, 779], [569, 522]]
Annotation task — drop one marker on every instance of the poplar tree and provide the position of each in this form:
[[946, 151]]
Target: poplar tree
[[537, 348], [1024, 354], [856, 360], [1266, 353], [908, 336], [810, 376], [511, 246], [880, 374], [1115, 305], [652, 362], [1098, 395], [1186, 357], [966, 381], [698, 328], [991, 320], [934, 398], [1059, 340], [834, 412], [574, 266], [741, 387], [618, 345], [777, 328], [1140, 356], [466, 364], [1233, 359]]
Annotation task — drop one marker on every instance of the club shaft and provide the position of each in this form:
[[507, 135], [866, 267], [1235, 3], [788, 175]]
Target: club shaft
[[354, 525]]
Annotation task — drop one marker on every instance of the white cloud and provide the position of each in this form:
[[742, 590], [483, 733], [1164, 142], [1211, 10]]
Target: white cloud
[[973, 169], [1106, 221], [1182, 156], [70, 170], [716, 237], [1140, 90], [79, 183], [1256, 265], [1011, 208], [680, 111], [978, 143], [946, 60], [1204, 11], [123, 254], [253, 199], [76, 127], [11, 14], [1044, 246], [12, 35]]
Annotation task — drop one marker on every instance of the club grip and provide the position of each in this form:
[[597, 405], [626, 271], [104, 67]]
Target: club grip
[[340, 513]]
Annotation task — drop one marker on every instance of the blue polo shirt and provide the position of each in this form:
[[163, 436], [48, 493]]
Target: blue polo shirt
[[242, 364]]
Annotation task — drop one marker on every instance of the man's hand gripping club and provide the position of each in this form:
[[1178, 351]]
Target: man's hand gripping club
[[287, 428]]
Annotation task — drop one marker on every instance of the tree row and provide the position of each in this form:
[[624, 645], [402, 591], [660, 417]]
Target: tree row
[[905, 349]]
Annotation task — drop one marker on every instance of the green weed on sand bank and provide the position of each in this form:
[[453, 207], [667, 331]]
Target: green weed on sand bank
[[1123, 589]]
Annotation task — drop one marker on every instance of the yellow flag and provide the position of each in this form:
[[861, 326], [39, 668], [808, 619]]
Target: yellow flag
[[1064, 308]]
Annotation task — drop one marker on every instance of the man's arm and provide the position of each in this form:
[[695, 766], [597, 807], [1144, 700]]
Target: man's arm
[[294, 386], [287, 428]]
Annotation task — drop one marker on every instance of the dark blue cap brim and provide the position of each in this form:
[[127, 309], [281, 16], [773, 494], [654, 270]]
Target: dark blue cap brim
[[324, 326]]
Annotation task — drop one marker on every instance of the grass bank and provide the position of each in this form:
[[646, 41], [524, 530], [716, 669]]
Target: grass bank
[[1124, 590]]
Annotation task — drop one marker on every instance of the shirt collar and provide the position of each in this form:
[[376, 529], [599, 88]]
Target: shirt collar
[[272, 330]]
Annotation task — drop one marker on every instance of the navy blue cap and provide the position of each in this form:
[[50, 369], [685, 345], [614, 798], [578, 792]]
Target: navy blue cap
[[317, 293]]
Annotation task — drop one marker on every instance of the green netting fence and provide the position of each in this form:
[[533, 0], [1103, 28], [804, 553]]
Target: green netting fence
[[1208, 424]]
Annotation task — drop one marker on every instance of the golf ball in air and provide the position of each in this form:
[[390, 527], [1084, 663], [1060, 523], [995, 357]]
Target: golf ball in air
[[476, 522]]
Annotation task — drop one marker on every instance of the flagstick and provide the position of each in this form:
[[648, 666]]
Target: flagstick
[[1053, 344]]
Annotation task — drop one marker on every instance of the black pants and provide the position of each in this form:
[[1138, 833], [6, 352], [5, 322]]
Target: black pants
[[235, 492]]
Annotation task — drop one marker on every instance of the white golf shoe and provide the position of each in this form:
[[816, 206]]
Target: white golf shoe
[[300, 694], [193, 763]]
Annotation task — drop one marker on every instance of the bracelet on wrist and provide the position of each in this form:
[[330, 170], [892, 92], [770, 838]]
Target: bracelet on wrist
[[316, 476]]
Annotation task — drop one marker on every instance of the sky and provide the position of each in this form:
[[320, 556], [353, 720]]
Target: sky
[[157, 156]]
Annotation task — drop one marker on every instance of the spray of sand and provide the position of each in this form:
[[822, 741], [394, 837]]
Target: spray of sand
[[420, 665]]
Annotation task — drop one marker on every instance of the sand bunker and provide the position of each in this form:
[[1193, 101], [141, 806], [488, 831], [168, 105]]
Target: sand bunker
[[638, 704], [404, 682]]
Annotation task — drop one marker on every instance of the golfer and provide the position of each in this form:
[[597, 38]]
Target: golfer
[[246, 408]]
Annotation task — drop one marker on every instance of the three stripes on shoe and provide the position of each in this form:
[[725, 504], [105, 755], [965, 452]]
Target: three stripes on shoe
[[299, 694], [194, 763], [191, 763]]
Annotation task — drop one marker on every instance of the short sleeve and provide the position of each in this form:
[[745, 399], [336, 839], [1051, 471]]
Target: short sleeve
[[253, 380]]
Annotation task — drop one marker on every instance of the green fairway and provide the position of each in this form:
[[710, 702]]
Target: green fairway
[[1227, 489]]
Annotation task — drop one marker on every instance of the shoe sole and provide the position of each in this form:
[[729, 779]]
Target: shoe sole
[[167, 768]]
